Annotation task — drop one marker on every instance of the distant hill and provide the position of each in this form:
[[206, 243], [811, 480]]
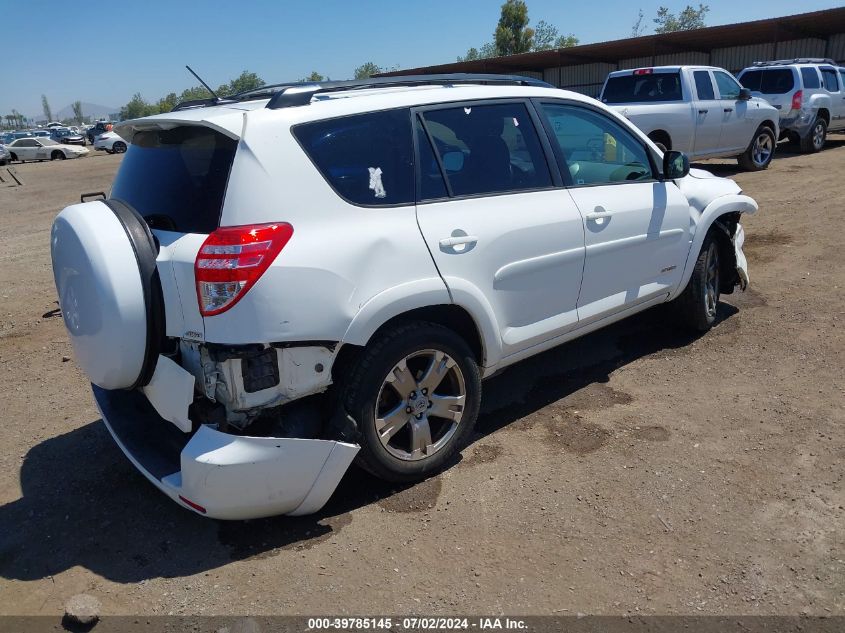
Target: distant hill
[[92, 110]]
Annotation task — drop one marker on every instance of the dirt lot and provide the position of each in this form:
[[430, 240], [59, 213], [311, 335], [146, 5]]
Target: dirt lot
[[632, 471]]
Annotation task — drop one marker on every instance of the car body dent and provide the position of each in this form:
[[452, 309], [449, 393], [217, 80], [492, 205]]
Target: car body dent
[[171, 391], [227, 476]]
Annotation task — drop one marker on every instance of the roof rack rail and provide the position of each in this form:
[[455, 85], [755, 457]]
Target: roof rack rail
[[797, 60], [301, 94]]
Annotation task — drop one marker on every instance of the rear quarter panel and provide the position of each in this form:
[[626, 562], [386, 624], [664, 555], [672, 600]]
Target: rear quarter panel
[[340, 257]]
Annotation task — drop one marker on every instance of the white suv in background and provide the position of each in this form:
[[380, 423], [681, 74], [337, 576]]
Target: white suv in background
[[293, 277], [699, 110], [808, 93]]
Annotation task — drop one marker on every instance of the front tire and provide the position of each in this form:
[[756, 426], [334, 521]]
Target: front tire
[[57, 155], [698, 303], [415, 394], [814, 140], [760, 151]]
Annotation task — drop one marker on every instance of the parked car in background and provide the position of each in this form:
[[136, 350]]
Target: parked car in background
[[25, 149], [67, 136], [206, 309], [6, 138], [110, 142], [809, 95], [5, 155], [22, 134], [699, 110], [42, 133], [98, 128]]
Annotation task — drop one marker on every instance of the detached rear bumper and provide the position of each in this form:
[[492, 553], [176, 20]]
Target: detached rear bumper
[[220, 475]]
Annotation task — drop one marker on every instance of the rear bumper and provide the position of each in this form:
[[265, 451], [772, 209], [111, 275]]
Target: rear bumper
[[220, 475]]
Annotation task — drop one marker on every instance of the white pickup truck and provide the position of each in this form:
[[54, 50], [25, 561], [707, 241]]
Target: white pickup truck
[[699, 110]]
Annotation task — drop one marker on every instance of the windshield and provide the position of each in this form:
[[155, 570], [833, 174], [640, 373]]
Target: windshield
[[650, 88], [48, 141], [177, 178]]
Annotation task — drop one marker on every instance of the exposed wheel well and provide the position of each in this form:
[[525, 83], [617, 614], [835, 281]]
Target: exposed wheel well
[[723, 228], [662, 137], [824, 114], [768, 124], [451, 316]]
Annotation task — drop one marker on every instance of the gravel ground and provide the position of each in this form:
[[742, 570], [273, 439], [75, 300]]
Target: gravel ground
[[632, 471]]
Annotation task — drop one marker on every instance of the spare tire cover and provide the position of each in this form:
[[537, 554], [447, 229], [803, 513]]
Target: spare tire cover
[[103, 294]]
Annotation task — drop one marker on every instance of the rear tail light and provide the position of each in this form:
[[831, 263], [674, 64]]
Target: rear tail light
[[797, 98], [644, 71], [232, 259]]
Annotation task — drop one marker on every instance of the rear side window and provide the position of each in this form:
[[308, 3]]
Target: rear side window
[[775, 81], [177, 178], [831, 83], [703, 85], [810, 78], [650, 88], [367, 158], [488, 149]]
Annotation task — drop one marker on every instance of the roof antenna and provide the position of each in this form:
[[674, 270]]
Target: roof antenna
[[207, 87]]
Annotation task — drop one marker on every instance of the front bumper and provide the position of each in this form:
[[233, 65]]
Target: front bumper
[[220, 475]]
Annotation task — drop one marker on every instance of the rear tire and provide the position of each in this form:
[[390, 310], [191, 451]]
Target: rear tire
[[118, 147], [814, 140], [13, 157], [415, 393], [760, 151], [698, 303]]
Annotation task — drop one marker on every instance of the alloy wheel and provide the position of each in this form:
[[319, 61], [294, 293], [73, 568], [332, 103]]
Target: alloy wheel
[[762, 151], [818, 135], [711, 281], [420, 405]]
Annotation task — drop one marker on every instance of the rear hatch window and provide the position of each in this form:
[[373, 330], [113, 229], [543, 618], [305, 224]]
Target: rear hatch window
[[650, 88], [176, 179], [776, 81]]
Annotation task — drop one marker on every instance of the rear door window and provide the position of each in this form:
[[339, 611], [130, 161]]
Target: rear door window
[[486, 149], [810, 78], [366, 158], [177, 178], [644, 88], [831, 83], [704, 85]]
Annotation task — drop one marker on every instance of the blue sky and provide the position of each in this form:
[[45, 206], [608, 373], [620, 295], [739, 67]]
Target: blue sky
[[144, 47]]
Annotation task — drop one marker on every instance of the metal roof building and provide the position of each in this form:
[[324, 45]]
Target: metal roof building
[[733, 46]]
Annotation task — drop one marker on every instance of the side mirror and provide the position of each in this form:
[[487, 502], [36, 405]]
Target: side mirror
[[675, 165], [744, 94]]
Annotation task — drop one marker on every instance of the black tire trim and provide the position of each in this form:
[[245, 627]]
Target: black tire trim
[[146, 251]]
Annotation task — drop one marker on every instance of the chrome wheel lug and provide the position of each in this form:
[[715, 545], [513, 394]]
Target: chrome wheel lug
[[408, 409]]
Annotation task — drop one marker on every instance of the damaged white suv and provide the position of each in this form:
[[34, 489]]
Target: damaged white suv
[[289, 279]]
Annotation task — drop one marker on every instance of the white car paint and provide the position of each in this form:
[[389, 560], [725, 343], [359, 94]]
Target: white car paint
[[33, 148], [531, 269], [105, 142], [701, 126]]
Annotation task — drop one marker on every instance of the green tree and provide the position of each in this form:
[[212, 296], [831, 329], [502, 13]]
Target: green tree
[[77, 112], [195, 92], [243, 82], [513, 35], [315, 76], [166, 104], [46, 107], [546, 36], [367, 70], [137, 108], [638, 27], [689, 18], [19, 122]]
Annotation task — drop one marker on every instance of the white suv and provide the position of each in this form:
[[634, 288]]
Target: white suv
[[289, 278], [808, 93]]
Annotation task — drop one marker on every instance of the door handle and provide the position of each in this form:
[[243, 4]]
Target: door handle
[[705, 111], [448, 242], [729, 109], [598, 216]]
